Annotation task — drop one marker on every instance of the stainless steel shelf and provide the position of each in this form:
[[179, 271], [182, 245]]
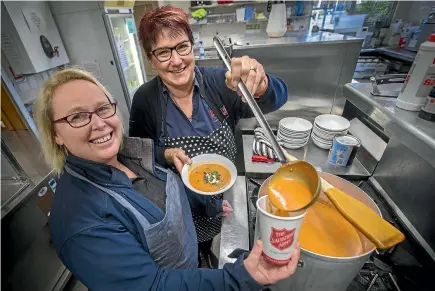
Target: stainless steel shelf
[[227, 5], [232, 22], [310, 153]]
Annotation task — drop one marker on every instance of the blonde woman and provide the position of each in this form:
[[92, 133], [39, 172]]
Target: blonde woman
[[118, 221]]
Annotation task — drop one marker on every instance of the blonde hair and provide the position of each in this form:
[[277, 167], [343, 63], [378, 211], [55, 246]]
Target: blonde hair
[[55, 155]]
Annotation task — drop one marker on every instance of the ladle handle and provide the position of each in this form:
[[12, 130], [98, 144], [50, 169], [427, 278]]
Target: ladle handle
[[251, 102]]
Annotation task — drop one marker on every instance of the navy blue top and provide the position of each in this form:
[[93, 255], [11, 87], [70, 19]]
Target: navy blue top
[[202, 123], [104, 246]]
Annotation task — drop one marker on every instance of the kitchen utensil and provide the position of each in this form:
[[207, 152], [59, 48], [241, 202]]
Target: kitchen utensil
[[262, 148], [376, 229], [213, 159], [251, 102], [386, 79], [303, 172], [262, 159]]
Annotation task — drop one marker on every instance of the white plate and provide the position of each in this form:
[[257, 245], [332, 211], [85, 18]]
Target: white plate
[[293, 133], [328, 137], [321, 140], [332, 122], [326, 132], [293, 136], [296, 124], [321, 145], [294, 141], [209, 158], [293, 146]]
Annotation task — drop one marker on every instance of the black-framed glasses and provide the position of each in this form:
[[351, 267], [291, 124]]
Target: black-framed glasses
[[165, 53], [80, 119]]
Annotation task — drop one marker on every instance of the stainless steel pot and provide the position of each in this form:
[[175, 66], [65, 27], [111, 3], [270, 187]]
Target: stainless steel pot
[[323, 273]]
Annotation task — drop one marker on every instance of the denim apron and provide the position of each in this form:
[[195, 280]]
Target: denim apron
[[221, 141], [172, 241]]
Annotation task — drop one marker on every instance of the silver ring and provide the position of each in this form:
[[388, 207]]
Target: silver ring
[[253, 68]]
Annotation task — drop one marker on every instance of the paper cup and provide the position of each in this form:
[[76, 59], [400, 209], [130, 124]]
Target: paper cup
[[278, 234]]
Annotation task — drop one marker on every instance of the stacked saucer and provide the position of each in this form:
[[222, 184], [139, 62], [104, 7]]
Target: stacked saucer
[[294, 132], [327, 126]]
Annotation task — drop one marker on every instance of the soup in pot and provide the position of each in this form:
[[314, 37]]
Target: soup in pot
[[209, 177], [325, 231]]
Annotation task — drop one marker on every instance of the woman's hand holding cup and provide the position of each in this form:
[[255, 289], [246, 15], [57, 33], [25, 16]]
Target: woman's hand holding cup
[[266, 273]]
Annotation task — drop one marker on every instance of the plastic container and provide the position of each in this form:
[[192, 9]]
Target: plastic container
[[240, 14], [420, 79], [428, 110], [201, 48]]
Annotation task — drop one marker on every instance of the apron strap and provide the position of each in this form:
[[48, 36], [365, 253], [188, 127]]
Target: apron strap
[[210, 102], [213, 106], [142, 220]]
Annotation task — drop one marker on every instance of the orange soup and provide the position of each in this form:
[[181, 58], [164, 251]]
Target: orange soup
[[325, 231], [209, 177], [289, 194]]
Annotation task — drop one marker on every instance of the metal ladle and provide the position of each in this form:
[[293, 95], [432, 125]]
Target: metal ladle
[[251, 102], [376, 229], [293, 169]]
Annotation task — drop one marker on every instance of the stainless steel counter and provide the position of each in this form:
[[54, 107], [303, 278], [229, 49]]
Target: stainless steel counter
[[405, 173], [261, 40], [310, 153], [416, 133], [398, 53], [235, 233]]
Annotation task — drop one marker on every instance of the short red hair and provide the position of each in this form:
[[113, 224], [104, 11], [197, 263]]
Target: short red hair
[[169, 18]]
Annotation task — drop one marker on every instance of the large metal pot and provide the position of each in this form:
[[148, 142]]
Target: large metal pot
[[323, 273]]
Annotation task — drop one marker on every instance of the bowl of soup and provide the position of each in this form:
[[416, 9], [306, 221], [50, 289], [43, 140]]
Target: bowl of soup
[[209, 174]]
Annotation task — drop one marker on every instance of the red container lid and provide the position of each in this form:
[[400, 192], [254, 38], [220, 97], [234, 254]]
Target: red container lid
[[431, 37]]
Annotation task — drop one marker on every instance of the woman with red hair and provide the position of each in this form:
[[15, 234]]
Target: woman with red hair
[[188, 110]]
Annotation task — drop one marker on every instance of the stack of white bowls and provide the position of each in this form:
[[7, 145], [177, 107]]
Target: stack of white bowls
[[294, 132], [327, 126]]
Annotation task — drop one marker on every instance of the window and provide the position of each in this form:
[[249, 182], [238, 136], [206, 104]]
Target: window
[[331, 15]]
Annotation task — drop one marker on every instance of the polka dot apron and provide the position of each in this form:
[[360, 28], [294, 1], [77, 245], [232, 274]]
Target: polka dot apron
[[222, 142]]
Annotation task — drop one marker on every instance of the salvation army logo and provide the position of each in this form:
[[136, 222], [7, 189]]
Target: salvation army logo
[[282, 238], [224, 111], [212, 114]]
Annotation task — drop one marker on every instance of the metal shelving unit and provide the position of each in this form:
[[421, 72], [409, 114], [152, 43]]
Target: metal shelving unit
[[237, 4]]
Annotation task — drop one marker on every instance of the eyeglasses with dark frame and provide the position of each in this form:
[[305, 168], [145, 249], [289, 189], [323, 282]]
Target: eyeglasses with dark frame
[[165, 53], [80, 119]]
